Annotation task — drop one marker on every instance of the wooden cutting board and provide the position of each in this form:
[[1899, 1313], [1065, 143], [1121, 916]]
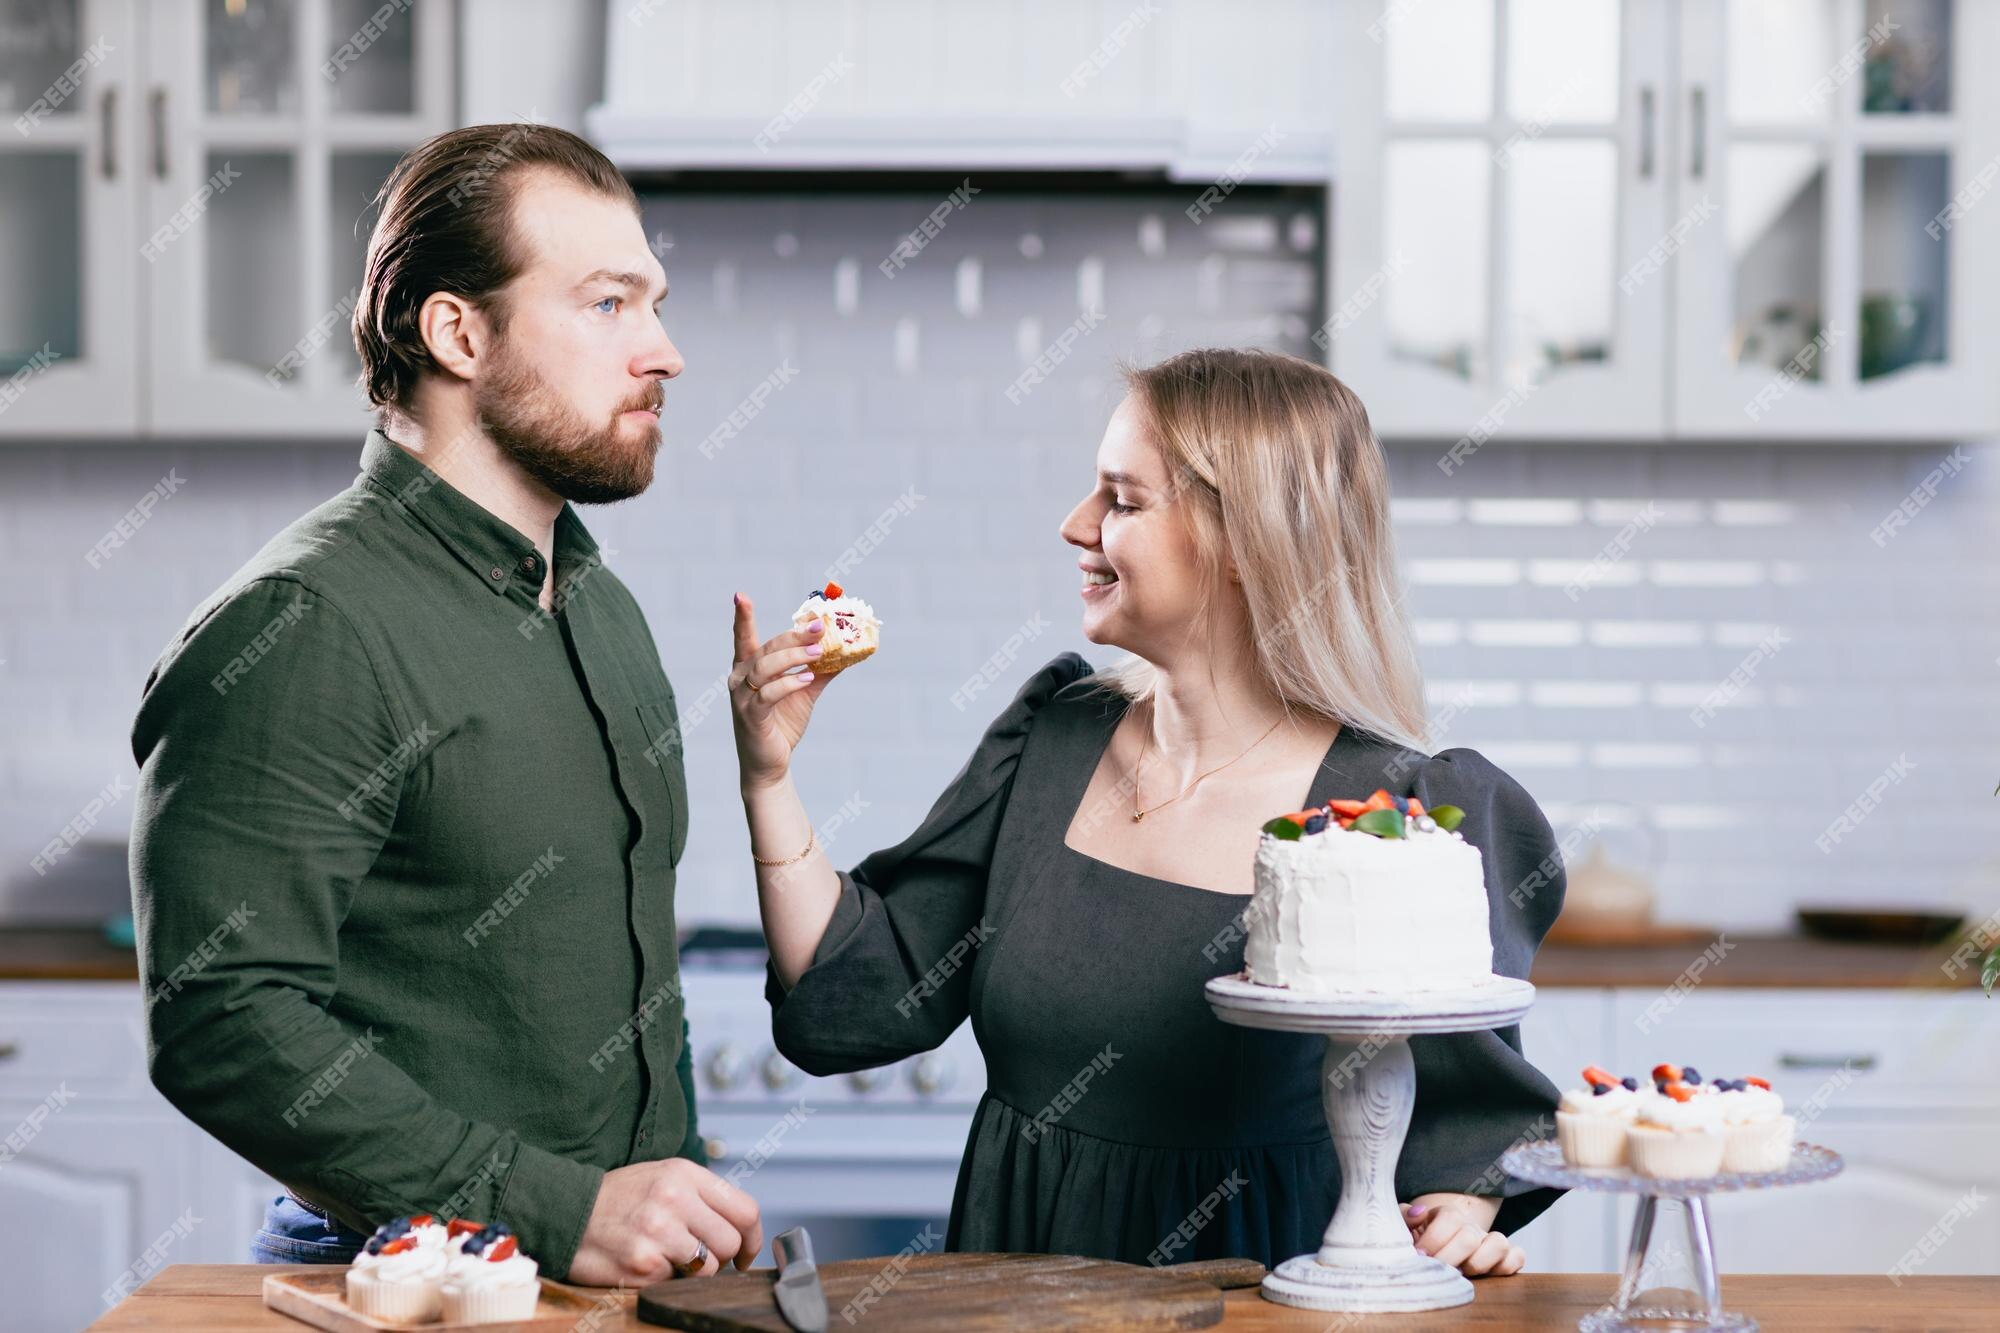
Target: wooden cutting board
[[928, 1292]]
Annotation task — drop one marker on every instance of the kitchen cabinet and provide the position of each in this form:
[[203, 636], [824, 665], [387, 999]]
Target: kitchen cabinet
[[101, 1180], [1714, 219], [69, 219], [197, 208]]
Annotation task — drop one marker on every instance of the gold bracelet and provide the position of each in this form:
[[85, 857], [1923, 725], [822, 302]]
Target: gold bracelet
[[811, 838]]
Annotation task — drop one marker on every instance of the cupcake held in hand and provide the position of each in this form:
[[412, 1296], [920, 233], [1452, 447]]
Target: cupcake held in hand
[[1591, 1122], [852, 632], [489, 1279], [397, 1273]]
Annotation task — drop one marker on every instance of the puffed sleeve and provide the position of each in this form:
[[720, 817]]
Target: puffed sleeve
[[892, 974], [1477, 1095]]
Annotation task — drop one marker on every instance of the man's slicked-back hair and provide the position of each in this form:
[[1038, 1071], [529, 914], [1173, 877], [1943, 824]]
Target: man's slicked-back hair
[[446, 226]]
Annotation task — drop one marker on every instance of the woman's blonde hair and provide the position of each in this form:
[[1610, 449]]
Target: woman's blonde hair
[[1276, 466]]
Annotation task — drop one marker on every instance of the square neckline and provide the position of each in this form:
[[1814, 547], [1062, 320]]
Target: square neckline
[[1103, 747]]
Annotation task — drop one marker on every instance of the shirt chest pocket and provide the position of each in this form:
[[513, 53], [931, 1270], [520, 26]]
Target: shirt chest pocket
[[663, 780]]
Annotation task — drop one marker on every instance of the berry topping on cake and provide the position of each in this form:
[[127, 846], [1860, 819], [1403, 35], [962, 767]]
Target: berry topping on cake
[[461, 1226], [488, 1239], [834, 590], [1595, 1074], [1599, 1089], [1315, 824], [1383, 815], [1756, 1082], [1666, 1073], [1689, 1075], [1678, 1090], [1629, 1084], [398, 1245]]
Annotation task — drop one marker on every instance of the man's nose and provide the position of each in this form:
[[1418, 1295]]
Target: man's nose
[[661, 358]]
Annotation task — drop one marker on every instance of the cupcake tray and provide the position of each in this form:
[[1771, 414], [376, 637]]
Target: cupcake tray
[[1683, 1290], [317, 1296]]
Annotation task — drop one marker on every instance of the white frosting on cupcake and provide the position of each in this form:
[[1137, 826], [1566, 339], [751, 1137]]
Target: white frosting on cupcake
[[476, 1270], [1697, 1113], [1620, 1102], [1749, 1106], [424, 1263], [860, 617]]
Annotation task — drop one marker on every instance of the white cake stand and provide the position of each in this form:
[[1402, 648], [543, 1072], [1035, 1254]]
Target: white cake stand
[[1365, 1261]]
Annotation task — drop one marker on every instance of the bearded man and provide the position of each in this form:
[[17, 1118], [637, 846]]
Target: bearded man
[[411, 792]]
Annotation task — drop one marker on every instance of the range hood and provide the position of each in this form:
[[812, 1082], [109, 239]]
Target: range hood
[[1186, 90]]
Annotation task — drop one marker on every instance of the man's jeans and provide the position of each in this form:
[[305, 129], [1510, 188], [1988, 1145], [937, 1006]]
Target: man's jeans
[[293, 1234]]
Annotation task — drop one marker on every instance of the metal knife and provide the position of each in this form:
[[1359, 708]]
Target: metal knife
[[801, 1299]]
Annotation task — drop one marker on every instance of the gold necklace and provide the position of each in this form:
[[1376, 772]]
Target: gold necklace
[[1138, 814]]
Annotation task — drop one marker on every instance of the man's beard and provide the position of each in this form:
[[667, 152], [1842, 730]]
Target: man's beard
[[579, 461]]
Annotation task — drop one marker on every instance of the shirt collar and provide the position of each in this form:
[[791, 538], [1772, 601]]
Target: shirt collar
[[492, 549]]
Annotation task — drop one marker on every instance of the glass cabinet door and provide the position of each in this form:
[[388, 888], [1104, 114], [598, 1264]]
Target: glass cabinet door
[[68, 345], [1844, 146], [1500, 216], [271, 126]]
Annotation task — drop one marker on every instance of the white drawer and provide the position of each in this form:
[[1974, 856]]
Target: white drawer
[[87, 1035], [1843, 1049]]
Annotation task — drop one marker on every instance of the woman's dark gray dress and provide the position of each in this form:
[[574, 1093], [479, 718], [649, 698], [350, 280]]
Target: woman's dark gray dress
[[1067, 964]]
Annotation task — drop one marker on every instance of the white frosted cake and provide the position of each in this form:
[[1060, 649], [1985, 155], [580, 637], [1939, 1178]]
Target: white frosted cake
[[1375, 895]]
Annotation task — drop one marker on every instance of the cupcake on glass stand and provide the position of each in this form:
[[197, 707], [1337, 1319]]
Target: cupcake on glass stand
[[1328, 951]]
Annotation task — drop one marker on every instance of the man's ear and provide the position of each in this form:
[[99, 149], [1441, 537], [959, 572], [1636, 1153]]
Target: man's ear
[[455, 332]]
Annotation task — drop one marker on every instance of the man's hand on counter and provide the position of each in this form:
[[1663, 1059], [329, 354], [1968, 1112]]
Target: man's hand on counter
[[648, 1218]]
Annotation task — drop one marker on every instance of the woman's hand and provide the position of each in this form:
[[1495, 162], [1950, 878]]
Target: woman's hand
[[771, 708], [1455, 1229]]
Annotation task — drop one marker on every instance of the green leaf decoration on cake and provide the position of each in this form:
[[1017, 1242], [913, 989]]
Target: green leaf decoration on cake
[[1448, 817], [1381, 823], [1283, 829]]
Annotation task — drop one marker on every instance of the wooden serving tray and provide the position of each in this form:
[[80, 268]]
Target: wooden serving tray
[[931, 1292], [319, 1298]]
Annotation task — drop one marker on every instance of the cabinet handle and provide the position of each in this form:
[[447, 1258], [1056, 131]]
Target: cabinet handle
[[1859, 1062], [1698, 131], [1648, 128], [159, 118], [107, 160]]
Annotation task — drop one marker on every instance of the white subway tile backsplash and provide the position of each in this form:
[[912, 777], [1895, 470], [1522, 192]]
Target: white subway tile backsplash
[[1653, 696]]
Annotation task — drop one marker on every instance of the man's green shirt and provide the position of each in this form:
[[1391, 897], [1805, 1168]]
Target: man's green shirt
[[403, 864]]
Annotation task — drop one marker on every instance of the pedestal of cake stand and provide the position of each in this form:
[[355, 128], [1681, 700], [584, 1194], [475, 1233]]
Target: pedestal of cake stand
[[1365, 1261]]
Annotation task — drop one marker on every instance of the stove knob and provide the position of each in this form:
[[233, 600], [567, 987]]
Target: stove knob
[[779, 1073], [724, 1067], [931, 1074], [867, 1080]]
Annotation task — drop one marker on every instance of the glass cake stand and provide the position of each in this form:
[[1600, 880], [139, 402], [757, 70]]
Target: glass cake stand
[[1683, 1291], [1365, 1261]]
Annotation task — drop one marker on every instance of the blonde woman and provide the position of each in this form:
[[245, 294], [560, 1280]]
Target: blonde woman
[[1095, 855]]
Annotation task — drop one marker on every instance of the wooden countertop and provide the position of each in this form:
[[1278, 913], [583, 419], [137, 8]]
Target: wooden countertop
[[221, 1297], [80, 954], [63, 953], [1754, 961]]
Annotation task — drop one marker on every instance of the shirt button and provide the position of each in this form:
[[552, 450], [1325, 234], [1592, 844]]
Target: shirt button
[[496, 572], [528, 563]]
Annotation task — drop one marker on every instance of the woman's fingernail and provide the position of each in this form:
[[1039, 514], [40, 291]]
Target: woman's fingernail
[[814, 649], [805, 675], [814, 627]]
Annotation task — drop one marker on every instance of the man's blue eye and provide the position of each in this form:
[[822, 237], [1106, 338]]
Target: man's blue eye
[[607, 301]]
